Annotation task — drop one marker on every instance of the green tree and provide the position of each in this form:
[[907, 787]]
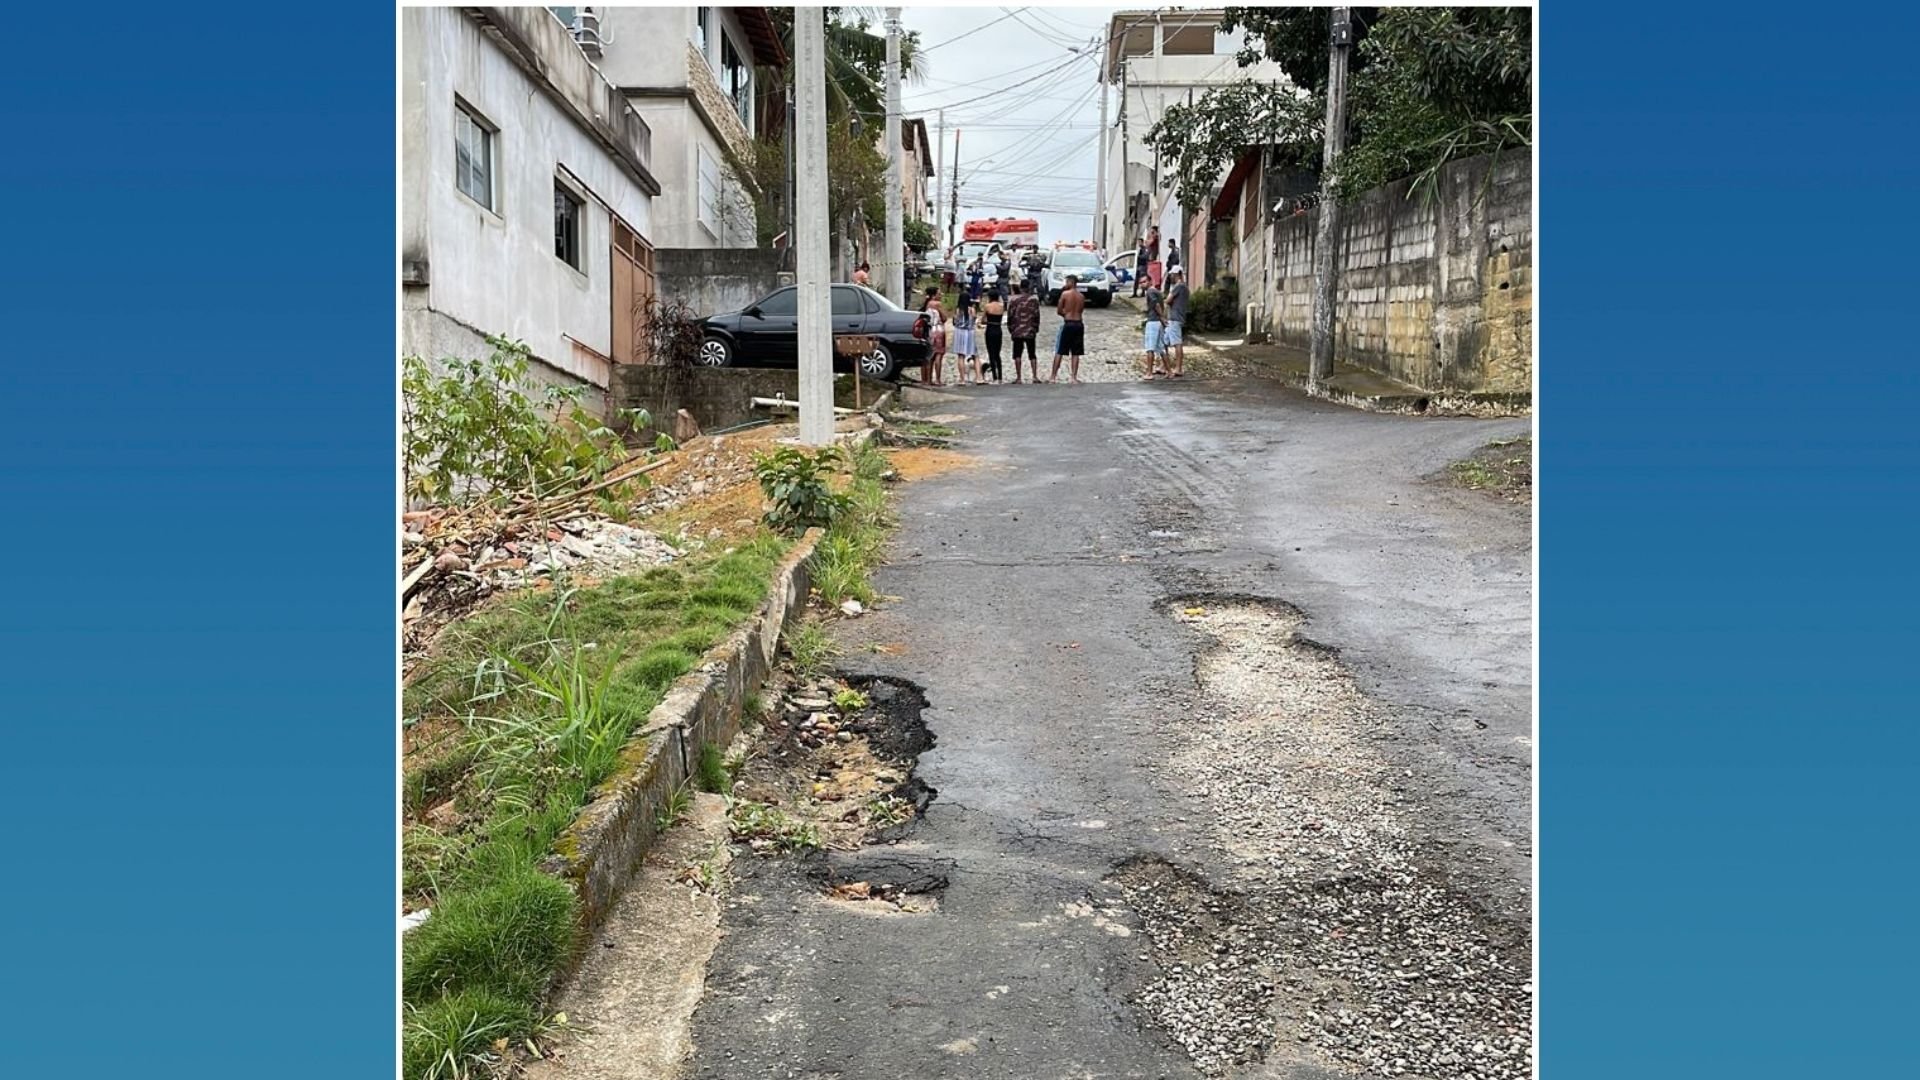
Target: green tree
[[856, 58], [918, 234], [1426, 86]]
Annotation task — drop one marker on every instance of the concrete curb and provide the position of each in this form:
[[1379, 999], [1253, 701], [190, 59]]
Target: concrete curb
[[599, 852], [1482, 405]]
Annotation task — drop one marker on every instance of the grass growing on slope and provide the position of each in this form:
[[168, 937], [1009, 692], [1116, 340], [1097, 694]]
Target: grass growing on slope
[[546, 690], [857, 538]]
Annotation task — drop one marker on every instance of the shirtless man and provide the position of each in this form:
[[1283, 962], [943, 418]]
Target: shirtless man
[[1073, 332]]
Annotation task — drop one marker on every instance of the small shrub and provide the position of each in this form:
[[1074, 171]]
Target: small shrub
[[670, 332], [1215, 309], [849, 700], [797, 483], [476, 432]]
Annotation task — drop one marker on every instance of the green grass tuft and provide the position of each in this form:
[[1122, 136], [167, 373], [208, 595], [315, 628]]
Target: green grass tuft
[[443, 1038], [712, 776], [507, 937], [810, 647]]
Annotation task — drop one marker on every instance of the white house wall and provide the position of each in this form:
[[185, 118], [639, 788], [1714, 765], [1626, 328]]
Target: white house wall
[[654, 48], [496, 271]]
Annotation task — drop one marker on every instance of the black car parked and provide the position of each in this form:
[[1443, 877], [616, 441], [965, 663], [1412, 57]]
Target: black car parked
[[768, 332]]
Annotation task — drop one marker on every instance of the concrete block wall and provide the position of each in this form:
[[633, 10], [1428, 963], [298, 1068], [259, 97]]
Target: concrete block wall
[[717, 280], [717, 397], [1434, 291]]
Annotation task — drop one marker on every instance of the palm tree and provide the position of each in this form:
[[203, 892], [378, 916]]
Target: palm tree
[[856, 62]]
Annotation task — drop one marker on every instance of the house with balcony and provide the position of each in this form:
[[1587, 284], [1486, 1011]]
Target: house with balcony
[[694, 75], [527, 194]]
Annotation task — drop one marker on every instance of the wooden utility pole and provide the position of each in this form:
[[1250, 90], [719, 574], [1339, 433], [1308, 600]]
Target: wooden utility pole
[[1326, 261], [813, 287], [891, 266]]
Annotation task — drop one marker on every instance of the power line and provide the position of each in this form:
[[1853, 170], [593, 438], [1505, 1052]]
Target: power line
[[1010, 14], [1046, 33], [1078, 57]]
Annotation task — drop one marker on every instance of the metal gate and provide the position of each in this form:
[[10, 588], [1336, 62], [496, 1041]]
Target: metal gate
[[633, 290]]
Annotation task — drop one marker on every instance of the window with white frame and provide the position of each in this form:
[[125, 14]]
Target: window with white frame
[[473, 154], [702, 19], [709, 193]]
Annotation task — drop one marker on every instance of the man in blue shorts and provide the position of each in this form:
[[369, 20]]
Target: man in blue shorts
[[1175, 339]]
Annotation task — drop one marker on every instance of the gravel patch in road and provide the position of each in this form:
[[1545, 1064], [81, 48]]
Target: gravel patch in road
[[1343, 941]]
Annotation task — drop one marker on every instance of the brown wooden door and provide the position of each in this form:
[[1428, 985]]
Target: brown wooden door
[[633, 290]]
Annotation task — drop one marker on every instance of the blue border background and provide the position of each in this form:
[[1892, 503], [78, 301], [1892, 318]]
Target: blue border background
[[1728, 457], [197, 447], [199, 287]]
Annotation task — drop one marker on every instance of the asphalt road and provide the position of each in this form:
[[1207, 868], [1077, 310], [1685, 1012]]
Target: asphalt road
[[1032, 607]]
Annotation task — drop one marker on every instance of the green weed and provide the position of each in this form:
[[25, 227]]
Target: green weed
[[768, 829], [810, 647], [712, 775], [679, 801], [849, 700]]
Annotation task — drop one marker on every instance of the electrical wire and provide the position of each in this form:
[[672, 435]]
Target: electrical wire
[[1045, 34], [1009, 15]]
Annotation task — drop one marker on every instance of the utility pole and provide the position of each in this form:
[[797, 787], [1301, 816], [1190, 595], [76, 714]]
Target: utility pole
[[786, 257], [1126, 154], [1326, 263], [940, 171], [891, 267], [813, 289], [953, 215], [1100, 186]]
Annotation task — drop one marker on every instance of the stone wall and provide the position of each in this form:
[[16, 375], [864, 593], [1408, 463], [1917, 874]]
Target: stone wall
[[716, 280], [1434, 291]]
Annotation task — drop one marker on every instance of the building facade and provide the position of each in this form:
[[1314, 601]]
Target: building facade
[[916, 170], [527, 196], [694, 74], [1155, 60]]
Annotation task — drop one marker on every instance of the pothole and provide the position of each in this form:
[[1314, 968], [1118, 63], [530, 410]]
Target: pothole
[[1212, 990], [1343, 941], [832, 779]]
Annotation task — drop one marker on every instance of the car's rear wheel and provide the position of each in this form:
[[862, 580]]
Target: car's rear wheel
[[879, 363], [716, 352]]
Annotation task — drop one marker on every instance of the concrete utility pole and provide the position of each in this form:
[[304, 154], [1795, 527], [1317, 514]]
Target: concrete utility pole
[[814, 290], [939, 172], [953, 215], [1100, 185], [1326, 262], [891, 268]]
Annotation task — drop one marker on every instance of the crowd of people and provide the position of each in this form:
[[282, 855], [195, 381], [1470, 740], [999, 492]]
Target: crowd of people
[[986, 311]]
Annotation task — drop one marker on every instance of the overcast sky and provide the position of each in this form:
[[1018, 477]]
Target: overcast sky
[[1027, 142]]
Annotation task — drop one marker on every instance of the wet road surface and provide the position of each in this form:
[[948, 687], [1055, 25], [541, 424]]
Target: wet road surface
[[1036, 602]]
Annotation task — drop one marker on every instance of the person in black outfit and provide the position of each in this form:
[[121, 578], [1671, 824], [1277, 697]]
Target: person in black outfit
[[994, 311]]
